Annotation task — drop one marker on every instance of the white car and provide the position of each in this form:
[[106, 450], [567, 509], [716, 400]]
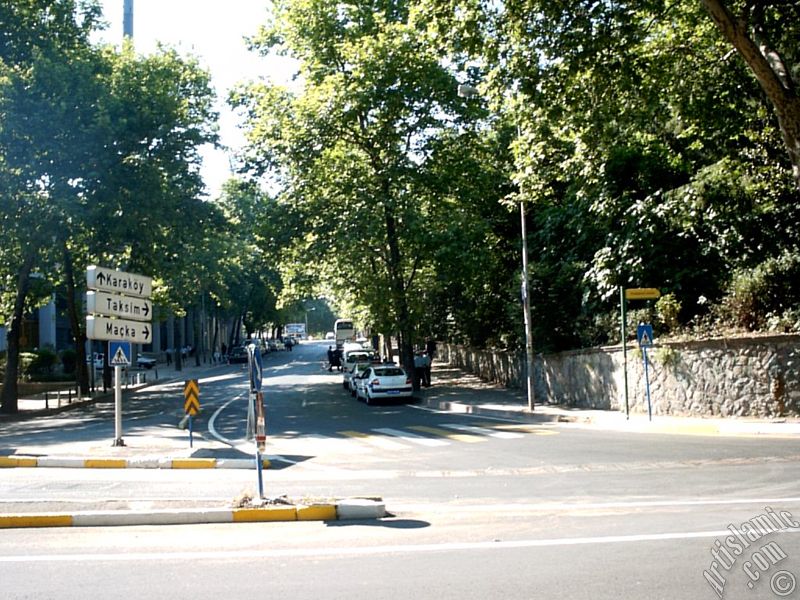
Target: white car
[[354, 370], [353, 355], [383, 381]]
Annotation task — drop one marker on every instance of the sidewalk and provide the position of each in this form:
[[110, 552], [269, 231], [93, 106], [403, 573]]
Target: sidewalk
[[457, 391], [158, 375]]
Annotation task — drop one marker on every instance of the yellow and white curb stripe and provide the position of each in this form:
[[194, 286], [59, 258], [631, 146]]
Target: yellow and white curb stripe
[[68, 462], [342, 510]]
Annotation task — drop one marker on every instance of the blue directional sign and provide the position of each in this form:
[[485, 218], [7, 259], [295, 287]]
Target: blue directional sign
[[644, 333], [119, 353]]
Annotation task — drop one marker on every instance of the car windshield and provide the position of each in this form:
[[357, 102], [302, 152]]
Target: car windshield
[[389, 372]]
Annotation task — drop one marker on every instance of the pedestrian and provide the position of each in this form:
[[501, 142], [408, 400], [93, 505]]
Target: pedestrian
[[330, 359], [224, 350], [419, 367], [426, 370], [169, 356]]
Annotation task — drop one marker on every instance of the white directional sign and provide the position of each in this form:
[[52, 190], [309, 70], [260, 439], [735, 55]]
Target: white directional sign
[[109, 280], [118, 309], [103, 328], [114, 305]]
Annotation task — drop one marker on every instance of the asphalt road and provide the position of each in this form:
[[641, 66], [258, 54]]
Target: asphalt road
[[481, 508]]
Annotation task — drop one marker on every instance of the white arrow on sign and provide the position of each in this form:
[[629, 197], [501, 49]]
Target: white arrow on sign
[[99, 278], [114, 305], [103, 328]]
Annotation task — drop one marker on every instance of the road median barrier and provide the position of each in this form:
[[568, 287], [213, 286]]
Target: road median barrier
[[74, 462], [346, 509]]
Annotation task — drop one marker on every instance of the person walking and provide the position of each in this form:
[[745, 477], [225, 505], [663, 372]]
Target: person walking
[[426, 369], [330, 359]]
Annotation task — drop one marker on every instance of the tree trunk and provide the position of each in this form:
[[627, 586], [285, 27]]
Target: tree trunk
[[771, 73], [178, 344], [78, 332], [9, 400], [198, 342], [399, 297]]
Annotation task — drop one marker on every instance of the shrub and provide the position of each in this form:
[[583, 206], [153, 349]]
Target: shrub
[[68, 360], [762, 294], [668, 307]]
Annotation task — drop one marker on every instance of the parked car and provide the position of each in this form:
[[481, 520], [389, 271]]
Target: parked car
[[97, 358], [238, 355], [354, 370], [352, 353], [145, 362], [382, 382]]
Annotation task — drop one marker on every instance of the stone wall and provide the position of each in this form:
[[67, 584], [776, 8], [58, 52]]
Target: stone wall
[[743, 377]]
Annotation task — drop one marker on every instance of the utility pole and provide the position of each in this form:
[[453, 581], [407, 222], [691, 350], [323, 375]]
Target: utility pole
[[127, 19]]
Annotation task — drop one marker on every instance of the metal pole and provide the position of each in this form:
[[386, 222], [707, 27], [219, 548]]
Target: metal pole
[[647, 384], [527, 310], [127, 19], [624, 326], [118, 441]]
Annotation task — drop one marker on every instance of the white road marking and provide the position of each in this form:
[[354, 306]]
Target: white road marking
[[250, 554], [374, 440], [505, 435], [412, 437]]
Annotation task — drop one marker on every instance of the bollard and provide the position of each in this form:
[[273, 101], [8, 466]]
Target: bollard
[[46, 401]]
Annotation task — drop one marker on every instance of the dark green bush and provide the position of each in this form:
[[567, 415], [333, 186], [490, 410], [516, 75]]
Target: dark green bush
[[68, 360], [761, 295]]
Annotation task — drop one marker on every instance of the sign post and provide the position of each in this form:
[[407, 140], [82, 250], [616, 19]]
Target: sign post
[[191, 404], [624, 296], [644, 333], [118, 311], [119, 355], [257, 408]]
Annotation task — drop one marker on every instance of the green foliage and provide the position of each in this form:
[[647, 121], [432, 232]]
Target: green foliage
[[68, 358], [666, 356], [668, 310], [768, 294]]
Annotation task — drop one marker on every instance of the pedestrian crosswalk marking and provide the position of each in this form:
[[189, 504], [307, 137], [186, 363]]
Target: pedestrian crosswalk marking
[[526, 428], [505, 435], [375, 440], [461, 437], [412, 437]]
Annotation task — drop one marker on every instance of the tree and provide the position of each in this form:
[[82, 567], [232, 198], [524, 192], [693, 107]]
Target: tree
[[757, 32], [350, 149], [35, 151]]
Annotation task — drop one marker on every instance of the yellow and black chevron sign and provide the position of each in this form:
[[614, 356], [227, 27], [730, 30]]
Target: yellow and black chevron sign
[[191, 392]]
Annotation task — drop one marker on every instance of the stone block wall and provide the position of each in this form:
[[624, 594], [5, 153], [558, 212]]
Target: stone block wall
[[744, 377]]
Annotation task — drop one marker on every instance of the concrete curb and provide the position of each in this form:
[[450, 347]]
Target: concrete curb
[[71, 462], [489, 411], [349, 509]]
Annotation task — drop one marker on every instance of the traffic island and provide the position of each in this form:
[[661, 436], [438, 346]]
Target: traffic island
[[345, 509], [70, 462]]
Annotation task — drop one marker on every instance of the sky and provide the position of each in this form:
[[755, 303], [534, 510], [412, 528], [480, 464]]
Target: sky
[[214, 32]]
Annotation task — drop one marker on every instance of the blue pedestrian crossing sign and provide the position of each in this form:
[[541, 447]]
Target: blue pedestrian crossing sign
[[644, 333], [119, 354]]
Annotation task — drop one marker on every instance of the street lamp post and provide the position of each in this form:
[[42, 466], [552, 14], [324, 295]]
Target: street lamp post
[[470, 91]]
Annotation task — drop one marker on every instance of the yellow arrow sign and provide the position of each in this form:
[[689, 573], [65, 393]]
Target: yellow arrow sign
[[191, 393], [642, 294]]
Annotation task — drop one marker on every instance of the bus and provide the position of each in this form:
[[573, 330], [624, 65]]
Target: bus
[[343, 330], [295, 330]]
